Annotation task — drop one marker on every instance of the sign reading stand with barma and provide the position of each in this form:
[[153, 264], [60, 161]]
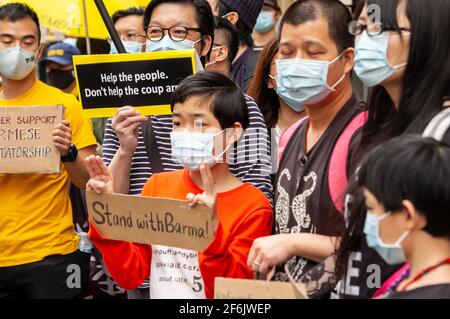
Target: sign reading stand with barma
[[147, 220], [145, 81]]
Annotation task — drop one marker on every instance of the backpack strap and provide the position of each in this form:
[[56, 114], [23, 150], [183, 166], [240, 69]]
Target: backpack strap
[[392, 281], [286, 136], [438, 126], [152, 147], [337, 170]]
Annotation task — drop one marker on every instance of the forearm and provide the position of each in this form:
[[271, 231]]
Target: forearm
[[320, 280], [312, 246], [120, 168]]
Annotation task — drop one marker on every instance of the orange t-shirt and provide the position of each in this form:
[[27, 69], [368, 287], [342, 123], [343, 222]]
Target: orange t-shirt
[[244, 214]]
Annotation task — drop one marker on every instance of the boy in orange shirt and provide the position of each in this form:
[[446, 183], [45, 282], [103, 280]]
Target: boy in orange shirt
[[209, 116]]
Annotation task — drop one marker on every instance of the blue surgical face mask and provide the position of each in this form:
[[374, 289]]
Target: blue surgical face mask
[[167, 44], [265, 22], [16, 63], [304, 82], [130, 47], [391, 253], [192, 149], [283, 93], [371, 62]]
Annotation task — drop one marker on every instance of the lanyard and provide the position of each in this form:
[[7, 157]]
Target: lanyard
[[426, 271]]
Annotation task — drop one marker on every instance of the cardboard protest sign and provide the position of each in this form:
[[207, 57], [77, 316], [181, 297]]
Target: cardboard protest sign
[[26, 139], [228, 288], [145, 81], [148, 220]]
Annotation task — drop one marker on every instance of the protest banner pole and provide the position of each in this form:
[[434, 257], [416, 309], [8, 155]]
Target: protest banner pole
[[110, 26], [88, 41]]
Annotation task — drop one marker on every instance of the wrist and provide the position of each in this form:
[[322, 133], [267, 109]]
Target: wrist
[[290, 244], [71, 155], [125, 153]]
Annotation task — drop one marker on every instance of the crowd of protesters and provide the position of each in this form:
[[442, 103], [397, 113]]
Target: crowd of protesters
[[347, 191]]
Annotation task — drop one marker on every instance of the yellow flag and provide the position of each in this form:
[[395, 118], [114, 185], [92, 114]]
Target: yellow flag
[[67, 16]]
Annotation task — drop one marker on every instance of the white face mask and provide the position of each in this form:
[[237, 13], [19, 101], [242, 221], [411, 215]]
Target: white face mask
[[167, 44], [130, 47], [16, 63], [192, 149]]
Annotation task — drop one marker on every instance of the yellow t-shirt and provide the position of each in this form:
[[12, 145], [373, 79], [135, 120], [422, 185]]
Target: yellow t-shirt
[[35, 210], [74, 92]]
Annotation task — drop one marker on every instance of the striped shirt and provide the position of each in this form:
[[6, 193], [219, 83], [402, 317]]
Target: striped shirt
[[250, 161]]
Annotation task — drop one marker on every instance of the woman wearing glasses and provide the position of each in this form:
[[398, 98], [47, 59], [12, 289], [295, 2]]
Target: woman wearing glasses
[[404, 59], [402, 54]]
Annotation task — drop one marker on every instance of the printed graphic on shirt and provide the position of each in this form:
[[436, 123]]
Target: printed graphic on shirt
[[302, 218], [365, 274], [175, 274]]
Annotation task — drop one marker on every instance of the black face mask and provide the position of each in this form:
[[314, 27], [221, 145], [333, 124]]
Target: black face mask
[[60, 79]]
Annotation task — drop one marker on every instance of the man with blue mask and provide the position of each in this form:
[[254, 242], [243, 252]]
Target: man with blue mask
[[135, 147], [266, 24], [130, 27], [313, 69]]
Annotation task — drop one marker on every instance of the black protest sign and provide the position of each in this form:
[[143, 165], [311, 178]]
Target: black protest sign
[[145, 81]]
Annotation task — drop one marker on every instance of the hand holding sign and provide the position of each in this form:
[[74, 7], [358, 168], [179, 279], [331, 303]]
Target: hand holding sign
[[126, 124], [101, 179], [266, 253], [144, 80], [147, 220], [209, 196], [62, 137]]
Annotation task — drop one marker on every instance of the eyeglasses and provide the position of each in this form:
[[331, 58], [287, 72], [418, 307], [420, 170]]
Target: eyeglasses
[[176, 34], [355, 28]]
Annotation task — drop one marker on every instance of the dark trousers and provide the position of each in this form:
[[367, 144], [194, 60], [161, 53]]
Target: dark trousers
[[56, 276]]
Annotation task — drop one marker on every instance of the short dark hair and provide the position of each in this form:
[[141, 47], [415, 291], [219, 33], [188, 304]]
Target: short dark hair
[[411, 168], [204, 16], [226, 99], [127, 13], [245, 36], [334, 11], [231, 36], [17, 11]]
